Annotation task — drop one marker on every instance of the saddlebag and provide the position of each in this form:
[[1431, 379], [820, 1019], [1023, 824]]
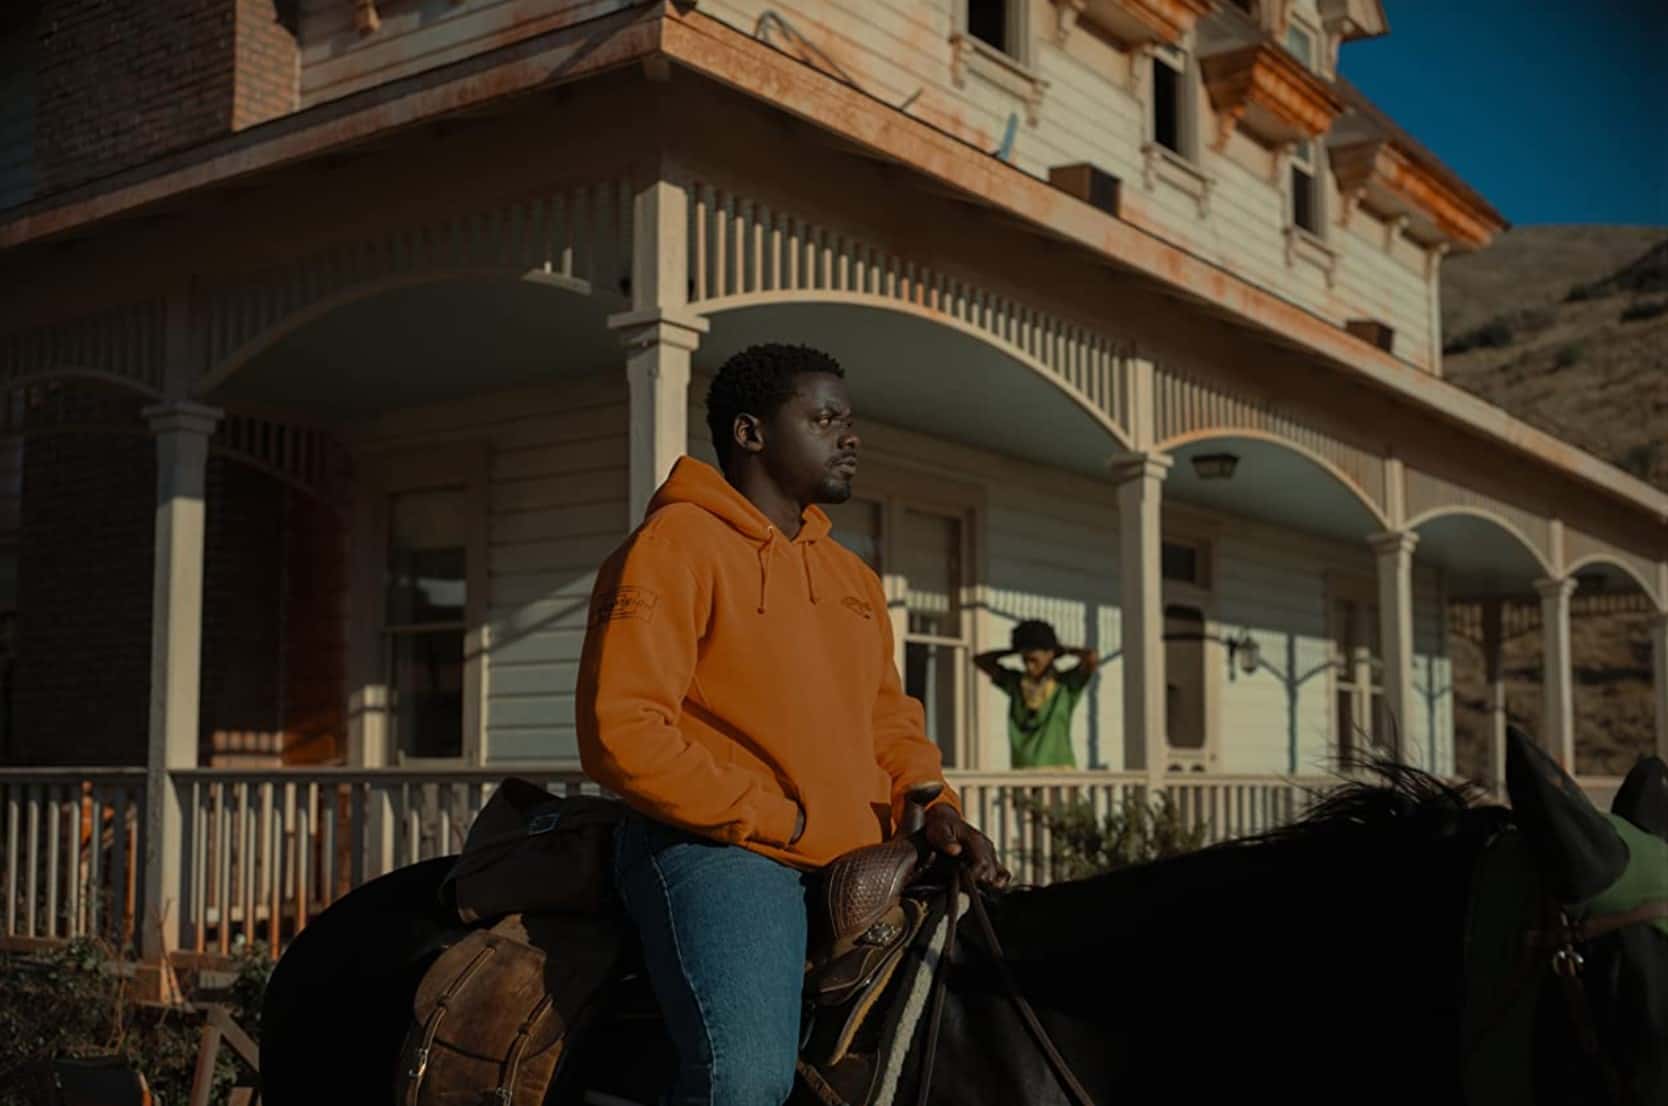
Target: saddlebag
[[531, 852], [494, 1013]]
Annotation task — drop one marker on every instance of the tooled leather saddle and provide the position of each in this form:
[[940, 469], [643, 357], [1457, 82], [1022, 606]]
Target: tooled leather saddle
[[864, 923]]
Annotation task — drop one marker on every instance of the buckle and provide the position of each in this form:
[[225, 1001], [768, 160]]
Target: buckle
[[422, 1065]]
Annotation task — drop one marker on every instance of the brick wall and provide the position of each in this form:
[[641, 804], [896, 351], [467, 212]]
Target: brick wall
[[315, 645], [273, 586], [268, 63], [120, 83], [243, 568], [82, 691]]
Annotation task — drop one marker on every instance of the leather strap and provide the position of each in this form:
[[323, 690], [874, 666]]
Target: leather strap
[[1062, 1070]]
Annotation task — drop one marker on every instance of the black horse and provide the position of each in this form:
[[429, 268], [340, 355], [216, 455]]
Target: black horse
[[1400, 944]]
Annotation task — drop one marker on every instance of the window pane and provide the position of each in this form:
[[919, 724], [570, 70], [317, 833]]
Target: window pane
[[1184, 673], [1343, 638], [930, 676], [1303, 200], [1344, 721], [930, 549], [1300, 45], [427, 687], [857, 527], [1179, 562], [427, 559], [987, 21], [1166, 106]]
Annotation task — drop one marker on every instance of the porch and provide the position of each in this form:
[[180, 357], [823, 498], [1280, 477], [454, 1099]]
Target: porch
[[478, 388]]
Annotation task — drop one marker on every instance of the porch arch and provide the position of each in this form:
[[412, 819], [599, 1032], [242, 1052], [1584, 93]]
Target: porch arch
[[1485, 553], [921, 371], [1621, 566], [1183, 446], [1090, 390], [574, 238]]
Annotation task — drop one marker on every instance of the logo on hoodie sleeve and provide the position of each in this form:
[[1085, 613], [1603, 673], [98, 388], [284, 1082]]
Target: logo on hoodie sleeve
[[623, 603]]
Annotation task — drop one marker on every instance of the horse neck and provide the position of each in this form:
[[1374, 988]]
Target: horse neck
[[1356, 923]]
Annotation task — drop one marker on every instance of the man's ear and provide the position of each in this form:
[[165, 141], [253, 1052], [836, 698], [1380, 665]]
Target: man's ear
[[749, 433]]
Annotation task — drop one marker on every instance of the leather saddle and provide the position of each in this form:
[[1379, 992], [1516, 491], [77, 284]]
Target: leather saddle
[[865, 918]]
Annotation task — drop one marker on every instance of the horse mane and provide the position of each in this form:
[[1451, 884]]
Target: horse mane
[[1386, 797]]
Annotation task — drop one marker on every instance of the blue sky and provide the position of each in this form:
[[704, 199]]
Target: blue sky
[[1555, 110]]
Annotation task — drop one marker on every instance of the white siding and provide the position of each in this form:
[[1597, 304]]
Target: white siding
[[558, 508], [894, 48]]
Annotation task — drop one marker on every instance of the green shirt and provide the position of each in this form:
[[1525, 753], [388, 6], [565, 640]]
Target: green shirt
[[1042, 738]]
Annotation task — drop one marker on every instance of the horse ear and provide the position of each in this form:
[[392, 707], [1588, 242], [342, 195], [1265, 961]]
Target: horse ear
[[1643, 797], [1579, 853]]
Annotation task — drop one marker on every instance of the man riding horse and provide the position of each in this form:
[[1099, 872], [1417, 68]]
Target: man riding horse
[[738, 690]]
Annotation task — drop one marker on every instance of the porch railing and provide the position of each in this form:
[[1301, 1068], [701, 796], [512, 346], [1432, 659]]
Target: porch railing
[[266, 850], [73, 841]]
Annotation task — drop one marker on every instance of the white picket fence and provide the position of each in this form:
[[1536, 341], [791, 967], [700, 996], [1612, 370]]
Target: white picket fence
[[269, 849]]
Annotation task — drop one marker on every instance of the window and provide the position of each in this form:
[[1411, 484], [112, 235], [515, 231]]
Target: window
[[1305, 189], [936, 653], [987, 21], [1359, 715], [1301, 45], [1184, 691], [1180, 561], [924, 564], [420, 577], [426, 620], [1168, 96]]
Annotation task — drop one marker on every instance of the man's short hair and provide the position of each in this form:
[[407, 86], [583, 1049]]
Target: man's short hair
[[757, 381]]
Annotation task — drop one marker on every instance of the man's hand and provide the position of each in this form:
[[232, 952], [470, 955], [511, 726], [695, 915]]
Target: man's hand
[[947, 833]]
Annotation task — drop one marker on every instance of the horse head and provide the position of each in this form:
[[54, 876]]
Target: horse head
[[1568, 945]]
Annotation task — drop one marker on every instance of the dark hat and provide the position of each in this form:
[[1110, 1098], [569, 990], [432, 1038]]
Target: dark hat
[[1034, 634]]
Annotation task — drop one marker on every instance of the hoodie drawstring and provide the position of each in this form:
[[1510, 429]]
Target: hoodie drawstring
[[765, 553], [810, 577]]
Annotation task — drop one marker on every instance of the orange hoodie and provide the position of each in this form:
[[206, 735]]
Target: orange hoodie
[[729, 673]]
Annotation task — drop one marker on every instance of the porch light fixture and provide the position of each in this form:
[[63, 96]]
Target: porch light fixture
[[1243, 649], [1215, 466]]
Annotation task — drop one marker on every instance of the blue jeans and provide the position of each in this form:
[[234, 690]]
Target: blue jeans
[[723, 935]]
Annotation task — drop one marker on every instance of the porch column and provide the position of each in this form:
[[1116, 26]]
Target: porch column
[[1659, 679], [1140, 479], [1394, 550], [182, 434], [1558, 713], [659, 333], [1494, 636]]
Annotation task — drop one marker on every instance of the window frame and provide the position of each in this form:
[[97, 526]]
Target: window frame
[[1016, 16], [464, 466], [1365, 668], [1201, 595], [896, 492]]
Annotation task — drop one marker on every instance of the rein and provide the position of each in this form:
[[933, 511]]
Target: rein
[[1564, 939], [1559, 942], [952, 895]]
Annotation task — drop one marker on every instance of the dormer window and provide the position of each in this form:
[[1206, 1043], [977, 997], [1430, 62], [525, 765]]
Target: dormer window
[[1300, 43], [1305, 188], [1167, 98]]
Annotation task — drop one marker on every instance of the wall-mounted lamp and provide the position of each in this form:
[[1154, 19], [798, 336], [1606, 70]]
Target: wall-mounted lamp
[[1215, 466], [1243, 649]]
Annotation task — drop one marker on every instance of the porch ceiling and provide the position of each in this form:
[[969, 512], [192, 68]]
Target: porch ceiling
[[912, 372], [423, 344], [1481, 559], [1271, 484]]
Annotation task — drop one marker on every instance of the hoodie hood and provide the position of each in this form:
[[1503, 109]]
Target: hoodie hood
[[699, 484]]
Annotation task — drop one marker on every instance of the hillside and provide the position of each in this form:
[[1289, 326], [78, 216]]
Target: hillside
[[1566, 327]]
